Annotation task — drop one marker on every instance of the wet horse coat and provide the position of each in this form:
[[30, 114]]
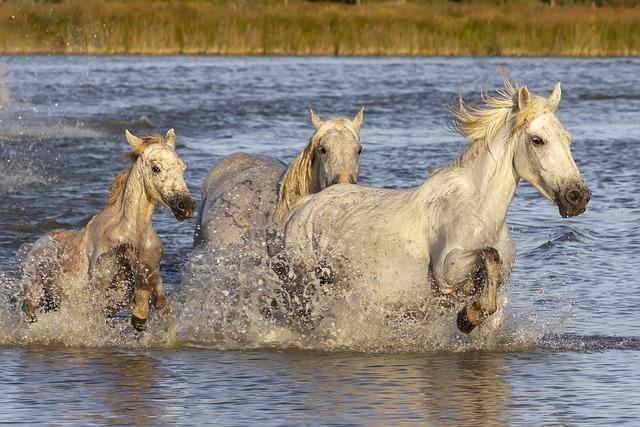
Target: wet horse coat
[[117, 254], [447, 239], [246, 197]]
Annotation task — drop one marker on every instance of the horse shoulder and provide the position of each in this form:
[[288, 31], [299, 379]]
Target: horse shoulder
[[72, 245]]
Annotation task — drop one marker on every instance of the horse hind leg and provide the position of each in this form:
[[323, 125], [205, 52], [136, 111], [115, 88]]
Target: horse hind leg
[[33, 300], [488, 279], [40, 288]]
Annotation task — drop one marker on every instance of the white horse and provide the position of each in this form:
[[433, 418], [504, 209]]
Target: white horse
[[117, 255], [447, 239], [246, 195]]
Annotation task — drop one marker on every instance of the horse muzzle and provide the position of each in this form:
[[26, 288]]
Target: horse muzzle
[[573, 200], [344, 178], [182, 206]]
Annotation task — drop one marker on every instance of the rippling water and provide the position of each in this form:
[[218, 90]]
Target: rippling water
[[566, 352]]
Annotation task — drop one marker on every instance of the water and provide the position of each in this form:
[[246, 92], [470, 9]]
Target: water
[[566, 352]]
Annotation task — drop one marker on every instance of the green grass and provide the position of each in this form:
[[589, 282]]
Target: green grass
[[312, 28]]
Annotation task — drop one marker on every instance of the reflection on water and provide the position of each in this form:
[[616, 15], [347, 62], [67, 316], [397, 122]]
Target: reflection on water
[[196, 387]]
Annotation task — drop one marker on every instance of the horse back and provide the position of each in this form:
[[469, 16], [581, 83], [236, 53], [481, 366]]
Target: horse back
[[238, 198]]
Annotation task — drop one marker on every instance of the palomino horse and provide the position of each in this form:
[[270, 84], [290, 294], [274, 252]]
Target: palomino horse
[[446, 240], [118, 252], [245, 195]]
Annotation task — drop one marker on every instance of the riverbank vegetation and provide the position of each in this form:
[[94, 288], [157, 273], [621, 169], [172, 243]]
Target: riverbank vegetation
[[296, 27]]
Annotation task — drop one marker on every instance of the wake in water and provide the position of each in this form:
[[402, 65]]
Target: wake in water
[[226, 301], [77, 324]]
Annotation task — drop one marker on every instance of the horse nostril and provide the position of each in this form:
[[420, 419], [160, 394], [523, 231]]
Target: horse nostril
[[573, 196], [182, 205]]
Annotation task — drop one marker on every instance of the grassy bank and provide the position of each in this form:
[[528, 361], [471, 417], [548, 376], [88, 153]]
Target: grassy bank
[[303, 28]]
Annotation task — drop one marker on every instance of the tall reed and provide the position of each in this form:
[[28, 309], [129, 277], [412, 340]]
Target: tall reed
[[305, 28]]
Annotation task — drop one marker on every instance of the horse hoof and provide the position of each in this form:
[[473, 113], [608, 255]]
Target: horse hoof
[[138, 324], [463, 322]]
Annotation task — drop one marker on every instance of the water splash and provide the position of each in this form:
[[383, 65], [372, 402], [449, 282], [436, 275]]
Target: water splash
[[224, 299], [79, 322]]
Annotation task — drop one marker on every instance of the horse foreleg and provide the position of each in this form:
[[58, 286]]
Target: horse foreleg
[[160, 300], [475, 313], [142, 292]]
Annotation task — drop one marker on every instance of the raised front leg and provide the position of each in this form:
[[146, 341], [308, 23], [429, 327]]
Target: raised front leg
[[487, 278], [142, 292], [149, 289], [160, 300]]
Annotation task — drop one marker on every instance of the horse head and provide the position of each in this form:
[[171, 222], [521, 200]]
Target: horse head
[[336, 150], [163, 172], [542, 153]]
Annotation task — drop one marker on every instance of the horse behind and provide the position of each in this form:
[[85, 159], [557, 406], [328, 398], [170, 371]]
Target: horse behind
[[445, 242], [116, 256], [247, 196]]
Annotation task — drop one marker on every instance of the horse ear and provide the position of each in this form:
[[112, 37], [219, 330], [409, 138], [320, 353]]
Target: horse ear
[[170, 138], [315, 119], [135, 142], [554, 99], [357, 120], [523, 97]]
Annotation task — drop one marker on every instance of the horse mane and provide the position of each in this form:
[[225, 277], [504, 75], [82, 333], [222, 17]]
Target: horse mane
[[481, 124], [297, 181], [120, 182]]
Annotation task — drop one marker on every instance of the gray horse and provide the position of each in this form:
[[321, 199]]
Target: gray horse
[[117, 255], [247, 195]]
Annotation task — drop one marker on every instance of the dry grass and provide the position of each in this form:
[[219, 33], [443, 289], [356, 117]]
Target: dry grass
[[269, 28]]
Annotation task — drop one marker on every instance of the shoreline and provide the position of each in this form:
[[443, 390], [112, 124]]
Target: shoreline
[[301, 29], [313, 56]]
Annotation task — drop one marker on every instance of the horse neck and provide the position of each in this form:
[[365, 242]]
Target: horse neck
[[485, 180], [316, 172], [492, 178], [134, 208]]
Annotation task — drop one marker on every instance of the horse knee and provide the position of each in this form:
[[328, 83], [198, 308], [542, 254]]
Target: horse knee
[[490, 254]]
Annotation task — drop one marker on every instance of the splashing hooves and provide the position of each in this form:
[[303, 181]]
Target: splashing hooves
[[463, 322], [138, 324]]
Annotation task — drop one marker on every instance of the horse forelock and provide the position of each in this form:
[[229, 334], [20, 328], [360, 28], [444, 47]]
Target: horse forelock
[[481, 124], [297, 181], [147, 141], [120, 182]]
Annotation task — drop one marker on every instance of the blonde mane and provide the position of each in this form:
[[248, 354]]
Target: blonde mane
[[297, 181], [481, 124], [120, 182]]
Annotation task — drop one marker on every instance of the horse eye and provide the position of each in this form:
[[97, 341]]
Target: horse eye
[[323, 150], [155, 168], [359, 150], [537, 141]]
